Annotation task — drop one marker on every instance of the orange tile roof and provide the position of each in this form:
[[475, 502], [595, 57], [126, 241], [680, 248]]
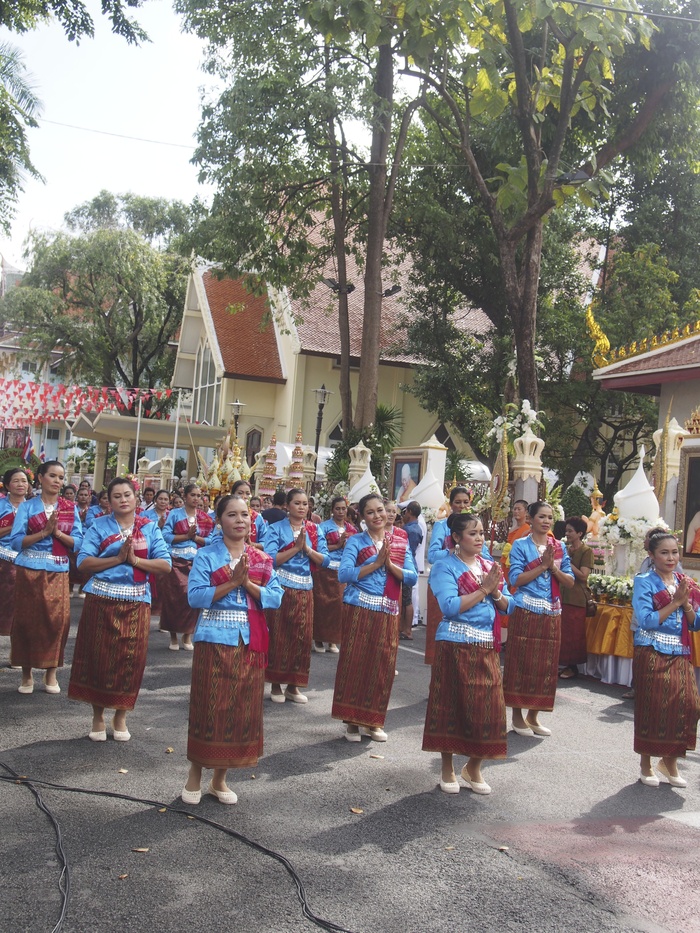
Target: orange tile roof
[[245, 334]]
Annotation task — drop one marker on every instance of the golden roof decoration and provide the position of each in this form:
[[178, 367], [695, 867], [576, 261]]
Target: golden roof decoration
[[647, 343], [692, 425], [602, 344]]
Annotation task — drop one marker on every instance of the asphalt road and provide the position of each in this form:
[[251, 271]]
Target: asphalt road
[[568, 840]]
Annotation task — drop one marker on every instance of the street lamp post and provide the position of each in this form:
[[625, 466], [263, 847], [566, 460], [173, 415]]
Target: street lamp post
[[322, 396], [236, 412]]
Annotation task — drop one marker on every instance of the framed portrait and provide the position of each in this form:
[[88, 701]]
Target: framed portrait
[[688, 506], [407, 470]]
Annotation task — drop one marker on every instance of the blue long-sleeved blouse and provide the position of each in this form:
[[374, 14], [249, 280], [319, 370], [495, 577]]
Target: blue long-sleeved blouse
[[535, 596], [665, 637], [369, 591], [224, 622], [185, 549], [118, 582], [295, 573], [39, 556], [475, 626], [329, 527], [6, 553]]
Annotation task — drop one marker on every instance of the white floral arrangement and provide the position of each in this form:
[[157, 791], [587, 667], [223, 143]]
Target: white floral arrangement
[[429, 516], [515, 421], [482, 503], [324, 497], [613, 587], [614, 532]]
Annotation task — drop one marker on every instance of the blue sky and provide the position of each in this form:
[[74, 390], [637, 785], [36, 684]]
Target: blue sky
[[151, 92]]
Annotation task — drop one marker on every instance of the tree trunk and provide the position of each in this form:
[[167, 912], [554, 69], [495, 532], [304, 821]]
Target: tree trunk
[[376, 231]]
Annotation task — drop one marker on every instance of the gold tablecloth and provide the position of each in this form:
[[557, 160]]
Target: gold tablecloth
[[608, 632]]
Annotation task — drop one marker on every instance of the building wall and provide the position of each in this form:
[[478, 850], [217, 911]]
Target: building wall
[[684, 398]]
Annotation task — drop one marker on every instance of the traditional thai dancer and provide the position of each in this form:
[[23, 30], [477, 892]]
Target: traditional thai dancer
[[539, 566], [572, 650], [186, 530], [328, 591], [373, 566], [46, 529], [258, 525], [231, 583], [666, 702], [16, 485], [97, 511], [120, 552], [440, 547], [466, 712], [297, 547]]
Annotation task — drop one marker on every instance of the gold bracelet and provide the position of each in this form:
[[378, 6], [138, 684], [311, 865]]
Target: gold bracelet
[[137, 562]]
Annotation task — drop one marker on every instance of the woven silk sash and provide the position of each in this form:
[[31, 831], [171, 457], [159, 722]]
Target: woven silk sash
[[537, 562], [259, 572], [467, 583], [662, 599], [312, 532], [8, 520], [203, 524], [253, 536], [65, 511], [139, 543], [398, 545]]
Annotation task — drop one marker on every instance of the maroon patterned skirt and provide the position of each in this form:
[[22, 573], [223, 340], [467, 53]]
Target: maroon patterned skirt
[[110, 652], [532, 660], [328, 606], [176, 614], [7, 596], [666, 703], [366, 666], [291, 629], [466, 712], [226, 707], [42, 618], [573, 648], [434, 616]]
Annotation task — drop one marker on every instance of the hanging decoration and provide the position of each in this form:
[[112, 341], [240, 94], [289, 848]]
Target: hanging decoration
[[23, 404]]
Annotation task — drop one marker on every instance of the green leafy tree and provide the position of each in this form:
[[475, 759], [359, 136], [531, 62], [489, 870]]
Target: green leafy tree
[[107, 299], [73, 16], [19, 108], [549, 71]]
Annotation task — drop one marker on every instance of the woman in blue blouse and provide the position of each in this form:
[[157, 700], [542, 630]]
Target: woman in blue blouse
[[666, 702], [186, 530], [16, 485], [297, 547], [374, 565], [328, 591], [46, 529], [440, 547], [539, 566], [466, 712], [120, 552], [231, 583], [97, 511]]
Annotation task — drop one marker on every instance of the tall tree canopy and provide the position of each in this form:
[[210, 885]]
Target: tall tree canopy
[[105, 297], [19, 107], [73, 15]]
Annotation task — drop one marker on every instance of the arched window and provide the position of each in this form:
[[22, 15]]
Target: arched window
[[253, 443]]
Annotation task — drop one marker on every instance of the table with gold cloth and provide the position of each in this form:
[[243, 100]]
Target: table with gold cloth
[[610, 645]]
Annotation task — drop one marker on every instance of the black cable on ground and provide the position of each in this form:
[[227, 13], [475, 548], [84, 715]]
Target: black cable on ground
[[13, 777]]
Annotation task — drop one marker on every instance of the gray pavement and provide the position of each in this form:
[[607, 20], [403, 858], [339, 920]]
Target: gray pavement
[[568, 840]]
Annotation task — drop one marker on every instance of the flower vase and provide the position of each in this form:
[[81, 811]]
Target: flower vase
[[622, 559]]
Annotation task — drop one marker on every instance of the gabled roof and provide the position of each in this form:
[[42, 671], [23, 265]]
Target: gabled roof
[[245, 335], [647, 372]]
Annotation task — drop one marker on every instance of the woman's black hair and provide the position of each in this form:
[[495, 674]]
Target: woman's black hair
[[117, 481], [237, 485], [536, 507], [335, 500], [43, 467], [456, 491], [659, 536], [458, 521], [362, 505], [294, 492], [7, 476], [224, 501], [578, 524], [188, 489]]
